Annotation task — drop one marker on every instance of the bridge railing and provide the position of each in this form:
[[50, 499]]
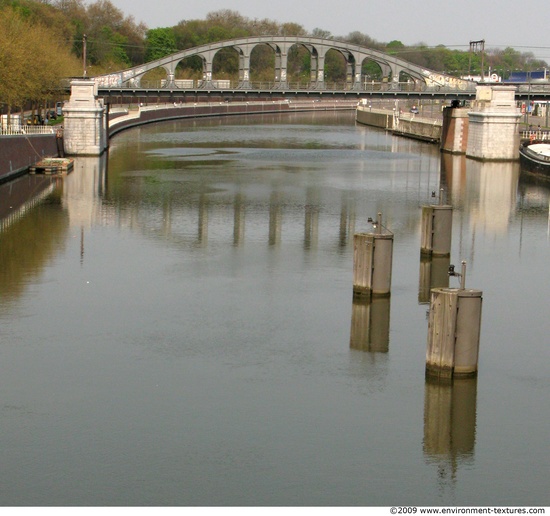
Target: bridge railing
[[27, 129], [534, 88], [543, 136], [365, 86]]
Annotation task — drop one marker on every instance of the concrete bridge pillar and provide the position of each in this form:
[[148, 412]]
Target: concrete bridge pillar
[[318, 68], [244, 66], [350, 74], [170, 74], [281, 63], [207, 60], [244, 71], [493, 132], [85, 122]]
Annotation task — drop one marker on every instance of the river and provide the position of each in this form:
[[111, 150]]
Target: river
[[177, 326]]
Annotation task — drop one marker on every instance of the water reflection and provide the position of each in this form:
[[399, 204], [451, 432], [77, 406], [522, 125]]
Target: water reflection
[[31, 235], [22, 194], [434, 273], [84, 190], [489, 198], [486, 189], [219, 316], [449, 425], [370, 324]]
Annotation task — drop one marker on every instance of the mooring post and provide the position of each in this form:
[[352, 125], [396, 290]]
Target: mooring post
[[453, 329], [437, 224], [372, 261]]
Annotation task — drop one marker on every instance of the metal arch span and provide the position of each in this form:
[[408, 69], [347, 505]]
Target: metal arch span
[[355, 55]]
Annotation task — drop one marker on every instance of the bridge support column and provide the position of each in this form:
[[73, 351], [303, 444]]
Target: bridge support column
[[281, 62], [353, 78], [357, 81], [493, 129], [244, 68], [207, 70], [318, 69], [85, 123]]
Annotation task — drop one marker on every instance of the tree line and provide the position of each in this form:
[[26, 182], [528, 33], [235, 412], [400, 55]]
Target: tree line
[[44, 41]]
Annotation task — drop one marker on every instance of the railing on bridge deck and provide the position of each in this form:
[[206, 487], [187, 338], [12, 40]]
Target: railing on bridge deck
[[365, 86]]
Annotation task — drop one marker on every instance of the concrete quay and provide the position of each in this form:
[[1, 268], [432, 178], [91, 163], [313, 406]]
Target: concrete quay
[[487, 130], [402, 124]]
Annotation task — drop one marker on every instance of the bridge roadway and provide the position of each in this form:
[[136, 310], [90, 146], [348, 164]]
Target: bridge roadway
[[129, 95]]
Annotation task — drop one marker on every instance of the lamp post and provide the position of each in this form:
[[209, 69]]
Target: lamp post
[[84, 39]]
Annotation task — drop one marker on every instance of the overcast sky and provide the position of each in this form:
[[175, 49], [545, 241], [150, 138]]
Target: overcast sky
[[501, 23]]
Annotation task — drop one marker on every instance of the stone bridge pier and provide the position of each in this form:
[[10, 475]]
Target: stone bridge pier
[[85, 121], [493, 132], [488, 130]]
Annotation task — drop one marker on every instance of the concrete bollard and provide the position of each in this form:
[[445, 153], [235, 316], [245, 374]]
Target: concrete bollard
[[437, 226], [453, 330], [370, 324], [372, 261]]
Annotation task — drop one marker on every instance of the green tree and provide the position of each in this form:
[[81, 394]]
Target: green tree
[[159, 43], [33, 61]]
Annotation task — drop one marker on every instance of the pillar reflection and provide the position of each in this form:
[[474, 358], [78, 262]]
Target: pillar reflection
[[449, 425], [311, 220], [347, 221], [238, 219], [202, 234], [488, 189], [434, 273], [370, 324], [275, 219]]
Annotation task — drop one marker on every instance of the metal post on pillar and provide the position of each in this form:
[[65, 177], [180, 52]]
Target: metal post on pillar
[[454, 329], [372, 261], [437, 224]]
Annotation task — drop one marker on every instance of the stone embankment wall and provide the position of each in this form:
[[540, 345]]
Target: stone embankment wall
[[381, 118], [428, 129], [149, 114], [421, 128], [18, 153]]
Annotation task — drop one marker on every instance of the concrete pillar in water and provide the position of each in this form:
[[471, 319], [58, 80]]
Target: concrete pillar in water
[[372, 261], [437, 229], [85, 121], [453, 331]]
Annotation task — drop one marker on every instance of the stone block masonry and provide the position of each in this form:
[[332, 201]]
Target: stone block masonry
[[493, 132], [85, 121]]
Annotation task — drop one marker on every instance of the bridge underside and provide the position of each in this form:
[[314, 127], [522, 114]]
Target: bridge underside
[[166, 95]]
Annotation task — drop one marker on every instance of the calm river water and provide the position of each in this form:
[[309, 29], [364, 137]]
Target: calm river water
[[177, 325]]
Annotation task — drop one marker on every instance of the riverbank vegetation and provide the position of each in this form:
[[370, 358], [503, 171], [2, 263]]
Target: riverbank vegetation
[[42, 42]]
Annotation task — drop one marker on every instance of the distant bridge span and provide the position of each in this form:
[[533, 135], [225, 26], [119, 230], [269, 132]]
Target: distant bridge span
[[418, 79]]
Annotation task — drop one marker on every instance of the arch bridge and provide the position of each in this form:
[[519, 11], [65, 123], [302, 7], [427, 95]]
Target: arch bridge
[[418, 79]]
